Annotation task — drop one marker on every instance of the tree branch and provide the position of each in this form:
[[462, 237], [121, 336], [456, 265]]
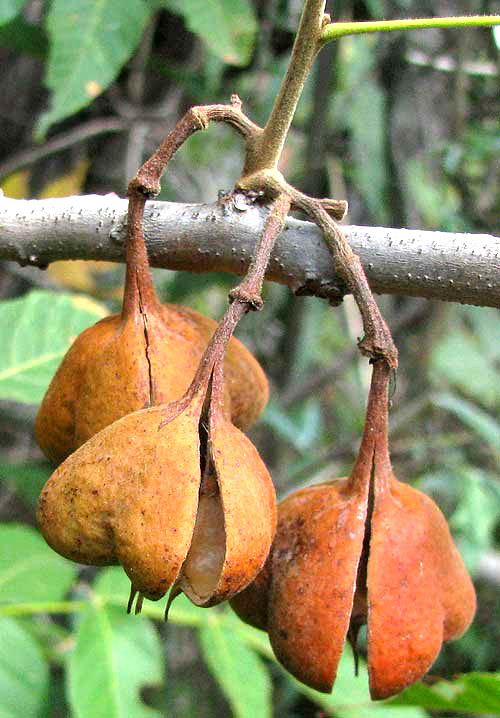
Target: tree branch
[[221, 237]]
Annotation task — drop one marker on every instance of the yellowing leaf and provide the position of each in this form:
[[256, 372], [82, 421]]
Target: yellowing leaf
[[81, 276], [73, 275], [89, 305], [68, 184], [93, 88], [16, 185]]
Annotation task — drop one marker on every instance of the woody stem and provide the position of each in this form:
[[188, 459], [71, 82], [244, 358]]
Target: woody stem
[[139, 287], [375, 442], [269, 143]]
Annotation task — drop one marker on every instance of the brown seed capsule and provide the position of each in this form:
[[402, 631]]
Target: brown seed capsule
[[133, 494], [338, 562], [114, 368], [236, 520], [145, 356], [419, 591]]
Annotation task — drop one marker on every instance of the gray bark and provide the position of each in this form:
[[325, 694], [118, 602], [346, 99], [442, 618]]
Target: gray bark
[[221, 236]]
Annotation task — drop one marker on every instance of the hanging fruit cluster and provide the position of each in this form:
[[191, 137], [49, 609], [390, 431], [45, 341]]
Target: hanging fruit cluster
[[147, 413], [144, 412]]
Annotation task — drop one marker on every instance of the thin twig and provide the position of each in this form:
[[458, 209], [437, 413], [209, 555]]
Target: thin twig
[[340, 29], [60, 142], [377, 342], [197, 118]]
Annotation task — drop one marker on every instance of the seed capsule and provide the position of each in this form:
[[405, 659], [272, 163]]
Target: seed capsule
[[338, 561], [116, 367], [133, 494], [145, 356]]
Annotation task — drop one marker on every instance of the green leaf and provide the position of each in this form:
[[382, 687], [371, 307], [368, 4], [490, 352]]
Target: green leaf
[[238, 670], [474, 693], [460, 359], [24, 38], [475, 537], [484, 321], [227, 27], [376, 9], [90, 42], [257, 639], [24, 674], [27, 479], [35, 333], [9, 9], [29, 570], [115, 655], [112, 585]]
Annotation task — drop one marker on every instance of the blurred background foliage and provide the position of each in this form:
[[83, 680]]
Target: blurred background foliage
[[406, 126]]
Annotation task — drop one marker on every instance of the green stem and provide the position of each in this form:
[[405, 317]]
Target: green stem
[[177, 615], [333, 31], [270, 142], [37, 607]]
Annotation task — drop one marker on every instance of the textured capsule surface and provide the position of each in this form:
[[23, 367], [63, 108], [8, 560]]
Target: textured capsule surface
[[117, 367]]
